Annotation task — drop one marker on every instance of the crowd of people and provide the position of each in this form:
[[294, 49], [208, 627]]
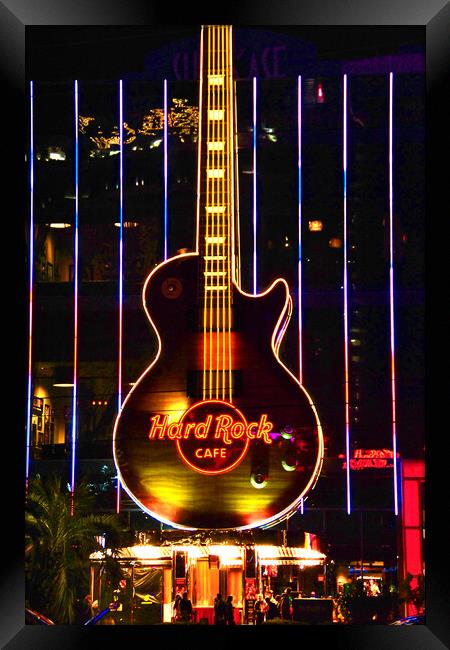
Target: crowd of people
[[223, 610], [269, 607], [182, 608], [265, 608]]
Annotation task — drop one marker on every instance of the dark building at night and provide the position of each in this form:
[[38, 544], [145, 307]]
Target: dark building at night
[[368, 540]]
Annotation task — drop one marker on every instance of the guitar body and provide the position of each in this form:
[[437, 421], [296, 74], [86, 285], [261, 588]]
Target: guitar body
[[154, 472]]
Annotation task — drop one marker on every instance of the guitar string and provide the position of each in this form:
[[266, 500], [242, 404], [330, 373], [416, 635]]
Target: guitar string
[[220, 182], [213, 224], [225, 204], [216, 214], [210, 181], [230, 211], [199, 244], [204, 247], [204, 237], [213, 221], [225, 166]]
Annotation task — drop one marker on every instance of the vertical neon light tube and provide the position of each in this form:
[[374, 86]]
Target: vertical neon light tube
[[255, 216], [75, 280], [300, 305], [165, 170], [119, 378], [119, 381], [30, 315], [347, 405], [236, 252], [391, 289]]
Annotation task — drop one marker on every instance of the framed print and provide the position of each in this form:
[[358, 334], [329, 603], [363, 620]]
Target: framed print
[[233, 215]]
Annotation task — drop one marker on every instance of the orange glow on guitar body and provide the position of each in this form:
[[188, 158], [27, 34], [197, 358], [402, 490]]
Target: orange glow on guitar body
[[155, 474]]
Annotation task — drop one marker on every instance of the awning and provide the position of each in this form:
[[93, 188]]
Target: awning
[[228, 554], [142, 553], [288, 555]]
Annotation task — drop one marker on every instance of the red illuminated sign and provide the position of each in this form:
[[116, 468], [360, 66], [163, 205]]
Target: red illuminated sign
[[371, 459], [212, 436]]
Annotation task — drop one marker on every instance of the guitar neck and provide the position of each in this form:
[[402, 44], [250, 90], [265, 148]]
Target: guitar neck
[[215, 208], [215, 191]]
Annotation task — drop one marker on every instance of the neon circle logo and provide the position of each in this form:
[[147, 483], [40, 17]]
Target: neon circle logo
[[212, 437], [219, 443]]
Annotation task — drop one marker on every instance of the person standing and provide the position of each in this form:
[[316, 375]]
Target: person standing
[[260, 609], [176, 614], [286, 605], [230, 611], [272, 607], [220, 610], [185, 608]]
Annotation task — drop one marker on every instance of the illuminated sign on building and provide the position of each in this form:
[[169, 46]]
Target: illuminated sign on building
[[371, 459], [212, 436]]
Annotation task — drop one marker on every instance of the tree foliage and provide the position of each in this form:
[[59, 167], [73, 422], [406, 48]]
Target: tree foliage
[[58, 545], [412, 590]]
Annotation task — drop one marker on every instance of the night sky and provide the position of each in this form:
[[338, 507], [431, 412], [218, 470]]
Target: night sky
[[57, 53]]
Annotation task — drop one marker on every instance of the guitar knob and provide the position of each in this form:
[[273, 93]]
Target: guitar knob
[[287, 432], [288, 462], [171, 288], [259, 476]]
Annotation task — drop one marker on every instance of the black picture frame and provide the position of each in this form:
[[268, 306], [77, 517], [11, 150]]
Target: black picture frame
[[38, 405], [15, 17]]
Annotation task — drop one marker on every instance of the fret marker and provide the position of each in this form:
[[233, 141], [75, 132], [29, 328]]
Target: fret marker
[[218, 145], [215, 79], [216, 173], [214, 272], [214, 209], [214, 257], [215, 115], [215, 240]]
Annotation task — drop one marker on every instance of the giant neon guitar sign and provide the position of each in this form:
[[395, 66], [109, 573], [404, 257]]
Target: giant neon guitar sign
[[217, 432]]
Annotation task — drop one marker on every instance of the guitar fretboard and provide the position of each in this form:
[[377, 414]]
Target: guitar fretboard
[[215, 206]]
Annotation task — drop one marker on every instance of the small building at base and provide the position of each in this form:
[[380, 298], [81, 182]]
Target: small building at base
[[145, 578]]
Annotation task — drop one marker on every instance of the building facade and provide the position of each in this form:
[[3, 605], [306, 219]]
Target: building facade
[[300, 217]]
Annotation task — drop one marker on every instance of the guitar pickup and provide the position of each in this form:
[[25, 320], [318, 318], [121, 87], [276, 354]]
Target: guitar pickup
[[216, 380]]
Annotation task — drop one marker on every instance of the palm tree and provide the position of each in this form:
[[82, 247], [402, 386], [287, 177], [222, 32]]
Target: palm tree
[[58, 544]]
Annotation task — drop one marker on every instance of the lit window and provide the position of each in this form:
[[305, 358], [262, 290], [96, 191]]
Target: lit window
[[315, 226]]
